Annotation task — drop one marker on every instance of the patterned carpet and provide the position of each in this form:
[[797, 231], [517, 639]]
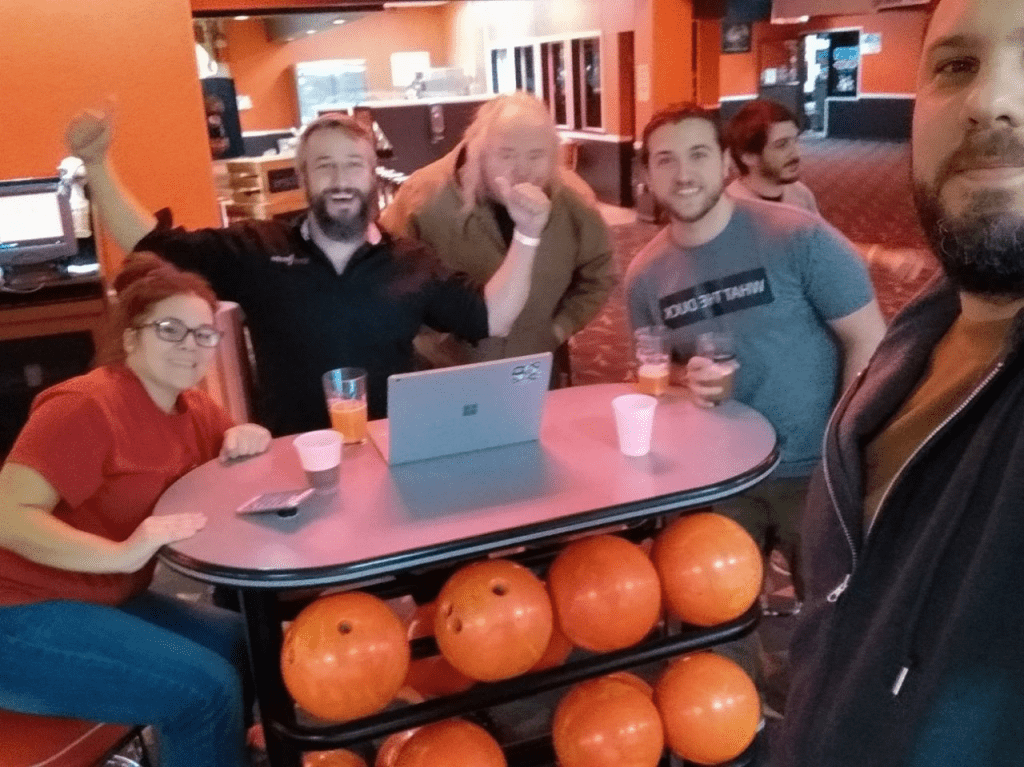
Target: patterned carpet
[[863, 189]]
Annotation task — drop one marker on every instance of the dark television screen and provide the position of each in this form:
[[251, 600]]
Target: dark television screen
[[35, 222]]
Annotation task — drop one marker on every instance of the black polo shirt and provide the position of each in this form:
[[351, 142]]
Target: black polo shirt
[[305, 319]]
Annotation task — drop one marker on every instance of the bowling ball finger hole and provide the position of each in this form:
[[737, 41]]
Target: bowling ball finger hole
[[448, 609], [499, 589], [455, 625], [344, 628]]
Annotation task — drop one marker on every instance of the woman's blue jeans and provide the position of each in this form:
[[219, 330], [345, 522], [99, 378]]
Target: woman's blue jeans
[[155, 660]]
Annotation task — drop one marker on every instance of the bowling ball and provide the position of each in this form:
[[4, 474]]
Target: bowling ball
[[559, 648], [709, 706], [434, 675], [449, 743], [388, 751], [336, 758], [494, 620], [608, 722], [605, 592], [387, 754], [633, 680], [345, 656], [710, 568]]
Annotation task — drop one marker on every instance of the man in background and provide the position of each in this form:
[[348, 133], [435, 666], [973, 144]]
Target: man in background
[[454, 206], [764, 143], [908, 650]]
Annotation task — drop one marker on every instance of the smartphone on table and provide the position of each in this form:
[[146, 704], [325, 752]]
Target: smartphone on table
[[284, 503]]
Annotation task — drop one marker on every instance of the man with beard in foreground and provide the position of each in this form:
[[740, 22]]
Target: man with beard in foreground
[[332, 290], [908, 650], [764, 143]]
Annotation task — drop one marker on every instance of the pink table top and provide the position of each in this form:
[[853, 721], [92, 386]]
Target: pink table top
[[384, 520]]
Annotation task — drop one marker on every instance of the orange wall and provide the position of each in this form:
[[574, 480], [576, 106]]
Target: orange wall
[[263, 70], [59, 57], [894, 70], [664, 45], [228, 7]]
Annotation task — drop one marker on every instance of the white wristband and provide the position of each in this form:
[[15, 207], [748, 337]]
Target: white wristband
[[530, 242]]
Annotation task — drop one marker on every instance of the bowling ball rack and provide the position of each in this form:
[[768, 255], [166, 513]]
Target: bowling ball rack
[[263, 613]]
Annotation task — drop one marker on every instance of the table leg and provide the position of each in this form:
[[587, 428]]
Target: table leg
[[263, 631]]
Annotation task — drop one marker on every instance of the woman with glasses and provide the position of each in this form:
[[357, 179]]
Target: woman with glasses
[[80, 634]]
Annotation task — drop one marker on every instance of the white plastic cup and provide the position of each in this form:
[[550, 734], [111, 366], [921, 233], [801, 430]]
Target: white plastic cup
[[320, 456], [634, 421]]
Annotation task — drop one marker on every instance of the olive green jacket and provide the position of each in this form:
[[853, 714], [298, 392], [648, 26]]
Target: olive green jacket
[[572, 275]]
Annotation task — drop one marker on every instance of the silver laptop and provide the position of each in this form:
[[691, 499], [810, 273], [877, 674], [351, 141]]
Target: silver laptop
[[471, 407]]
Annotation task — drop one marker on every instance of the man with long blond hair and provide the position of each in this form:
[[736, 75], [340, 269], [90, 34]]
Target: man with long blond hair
[[501, 192]]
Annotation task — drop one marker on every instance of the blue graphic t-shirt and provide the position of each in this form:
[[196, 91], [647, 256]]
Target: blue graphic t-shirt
[[774, 277]]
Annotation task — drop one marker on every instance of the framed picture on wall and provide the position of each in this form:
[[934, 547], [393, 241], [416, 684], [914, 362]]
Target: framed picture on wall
[[736, 36]]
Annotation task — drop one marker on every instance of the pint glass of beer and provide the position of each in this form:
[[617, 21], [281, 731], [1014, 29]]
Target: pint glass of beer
[[345, 392], [652, 360], [720, 348]]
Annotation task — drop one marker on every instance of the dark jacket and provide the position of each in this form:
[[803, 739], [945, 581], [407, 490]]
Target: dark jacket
[[910, 649]]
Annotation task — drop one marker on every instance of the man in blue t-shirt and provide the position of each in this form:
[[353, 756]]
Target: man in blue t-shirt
[[789, 289]]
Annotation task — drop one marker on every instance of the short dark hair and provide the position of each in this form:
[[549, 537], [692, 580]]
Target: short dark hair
[[747, 131], [676, 113]]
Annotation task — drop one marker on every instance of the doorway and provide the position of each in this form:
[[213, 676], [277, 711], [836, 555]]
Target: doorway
[[831, 70]]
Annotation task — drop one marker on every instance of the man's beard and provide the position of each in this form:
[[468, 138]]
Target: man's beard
[[341, 228], [787, 174], [712, 200], [982, 248]]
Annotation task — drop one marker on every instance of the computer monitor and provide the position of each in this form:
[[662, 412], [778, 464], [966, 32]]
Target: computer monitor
[[35, 222]]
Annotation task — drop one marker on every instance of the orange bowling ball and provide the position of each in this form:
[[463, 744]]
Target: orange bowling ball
[[494, 620], [388, 751], [450, 743], [605, 592], [559, 648], [633, 680], [432, 676], [336, 758], [345, 656], [387, 754], [710, 568], [709, 706], [608, 722]]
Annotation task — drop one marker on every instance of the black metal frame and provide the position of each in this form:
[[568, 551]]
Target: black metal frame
[[287, 738]]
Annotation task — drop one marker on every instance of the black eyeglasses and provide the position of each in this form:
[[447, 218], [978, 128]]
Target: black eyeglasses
[[174, 331]]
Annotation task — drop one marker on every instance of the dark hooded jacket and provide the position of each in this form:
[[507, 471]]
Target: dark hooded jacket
[[910, 648]]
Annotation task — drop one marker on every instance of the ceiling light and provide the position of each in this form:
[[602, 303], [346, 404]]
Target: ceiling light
[[241, 18], [340, 21]]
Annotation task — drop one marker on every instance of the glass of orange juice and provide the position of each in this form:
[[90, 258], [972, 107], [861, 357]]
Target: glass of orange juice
[[345, 392], [652, 360]]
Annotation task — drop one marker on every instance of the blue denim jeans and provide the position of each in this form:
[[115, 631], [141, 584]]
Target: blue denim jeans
[[155, 660]]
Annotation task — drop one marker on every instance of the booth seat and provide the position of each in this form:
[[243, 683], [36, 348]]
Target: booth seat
[[229, 380], [38, 741]]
